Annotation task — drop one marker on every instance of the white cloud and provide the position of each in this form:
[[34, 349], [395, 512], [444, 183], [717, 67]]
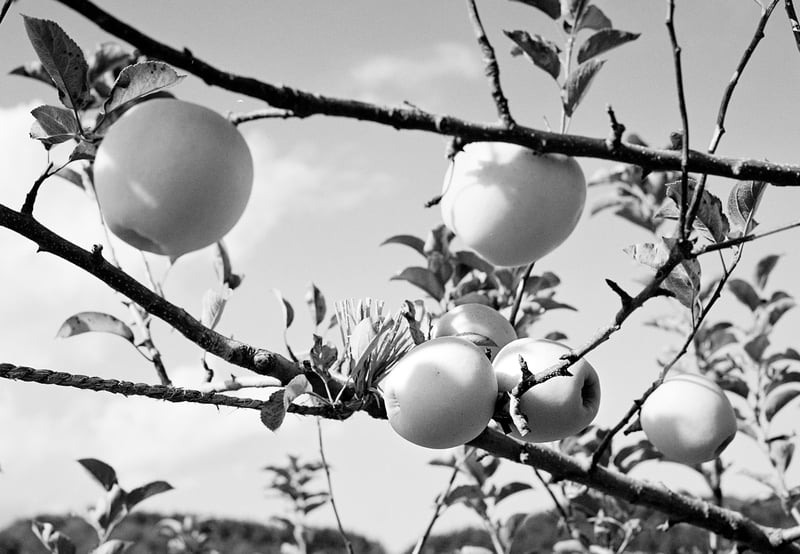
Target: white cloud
[[419, 74]]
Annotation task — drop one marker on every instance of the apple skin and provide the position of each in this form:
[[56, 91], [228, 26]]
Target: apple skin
[[510, 204], [478, 320], [172, 177], [688, 418], [441, 394], [559, 407]]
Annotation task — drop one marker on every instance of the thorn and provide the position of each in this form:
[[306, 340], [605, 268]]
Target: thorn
[[625, 298]]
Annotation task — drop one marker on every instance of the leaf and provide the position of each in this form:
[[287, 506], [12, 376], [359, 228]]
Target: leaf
[[316, 304], [84, 151], [288, 311], [407, 240], [310, 507], [72, 176], [114, 546], [146, 491], [603, 41], [764, 268], [323, 356], [630, 456], [551, 7], [709, 213], [779, 304], [294, 388], [473, 261], [781, 452], [423, 278], [542, 52], [594, 18], [224, 268], [138, 80], [743, 201], [511, 488], [214, 302], [537, 283], [62, 59], [53, 125], [465, 494], [108, 56], [683, 281], [33, 70], [779, 398], [101, 471], [55, 541], [86, 322], [578, 83], [745, 293], [273, 411], [755, 347]]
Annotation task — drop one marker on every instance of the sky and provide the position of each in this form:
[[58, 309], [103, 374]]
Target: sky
[[327, 192]]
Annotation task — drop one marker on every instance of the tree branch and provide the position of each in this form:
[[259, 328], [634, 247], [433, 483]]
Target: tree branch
[[304, 104], [792, 14], [255, 359], [695, 511]]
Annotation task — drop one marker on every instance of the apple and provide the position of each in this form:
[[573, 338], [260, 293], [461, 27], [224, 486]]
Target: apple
[[441, 394], [172, 177], [558, 407], [688, 418], [476, 322], [510, 204]]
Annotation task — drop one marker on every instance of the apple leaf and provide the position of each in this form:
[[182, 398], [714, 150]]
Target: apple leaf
[[316, 304], [55, 541], [745, 293], [743, 201], [62, 59], [578, 83], [542, 52], [114, 546], [214, 302], [683, 281], [86, 322], [108, 56], [84, 150], [551, 7], [779, 398], [407, 240], [273, 411], [594, 18], [288, 311], [101, 471], [138, 80], [33, 70], [54, 125], [779, 304], [509, 489], [632, 455], [764, 268], [422, 278], [537, 283], [756, 346], [603, 41], [710, 213], [222, 263], [470, 495], [71, 175], [473, 261], [146, 491], [781, 452]]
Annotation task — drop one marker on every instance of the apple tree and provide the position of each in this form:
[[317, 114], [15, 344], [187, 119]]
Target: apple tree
[[512, 194]]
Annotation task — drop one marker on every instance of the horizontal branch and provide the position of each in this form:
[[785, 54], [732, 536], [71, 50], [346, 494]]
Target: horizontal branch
[[304, 104], [686, 509], [255, 359]]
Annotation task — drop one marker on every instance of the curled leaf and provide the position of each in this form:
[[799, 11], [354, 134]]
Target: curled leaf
[[411, 241], [316, 304], [779, 398], [139, 80], [214, 302], [743, 201], [603, 41], [86, 322], [542, 52], [101, 471], [423, 278]]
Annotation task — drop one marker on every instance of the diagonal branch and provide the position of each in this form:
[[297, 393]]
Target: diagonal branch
[[304, 104], [793, 21], [258, 360], [694, 511]]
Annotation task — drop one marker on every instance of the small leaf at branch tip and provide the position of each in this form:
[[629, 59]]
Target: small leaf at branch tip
[[86, 322], [542, 52], [316, 304], [138, 80], [288, 311], [214, 302]]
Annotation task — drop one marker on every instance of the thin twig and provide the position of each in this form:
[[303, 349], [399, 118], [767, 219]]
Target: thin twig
[[795, 23], [5, 8], [30, 198], [676, 56], [523, 281], [556, 502], [743, 239], [492, 69], [303, 103], [325, 465], [440, 503], [257, 115]]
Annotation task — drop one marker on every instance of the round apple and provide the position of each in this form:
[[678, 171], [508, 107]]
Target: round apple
[[558, 407], [688, 418], [441, 394], [172, 177], [476, 323], [510, 204]]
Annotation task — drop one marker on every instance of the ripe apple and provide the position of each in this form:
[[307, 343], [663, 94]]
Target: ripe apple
[[476, 322], [441, 394], [510, 204], [688, 418], [172, 177], [558, 407]]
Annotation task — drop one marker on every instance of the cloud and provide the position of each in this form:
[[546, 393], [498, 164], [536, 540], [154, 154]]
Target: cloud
[[421, 74]]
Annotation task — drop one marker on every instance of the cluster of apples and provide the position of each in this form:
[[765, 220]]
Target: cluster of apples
[[443, 392]]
